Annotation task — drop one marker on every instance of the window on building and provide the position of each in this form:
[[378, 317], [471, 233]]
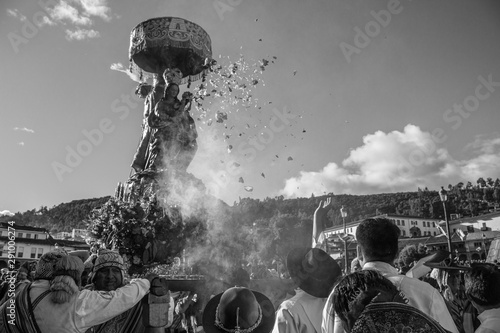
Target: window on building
[[434, 224], [402, 222], [398, 222], [470, 228], [454, 230], [20, 235], [28, 235], [434, 233], [20, 251], [36, 236], [40, 252], [33, 253], [404, 233]]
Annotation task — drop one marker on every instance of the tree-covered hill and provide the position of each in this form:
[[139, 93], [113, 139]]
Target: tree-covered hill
[[63, 217], [464, 198]]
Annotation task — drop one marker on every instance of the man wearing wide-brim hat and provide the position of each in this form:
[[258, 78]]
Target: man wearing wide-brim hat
[[314, 273], [238, 310]]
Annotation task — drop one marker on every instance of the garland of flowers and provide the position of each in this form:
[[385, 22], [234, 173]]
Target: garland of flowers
[[131, 228]]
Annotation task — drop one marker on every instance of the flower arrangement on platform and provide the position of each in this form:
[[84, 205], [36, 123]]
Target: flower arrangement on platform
[[143, 232]]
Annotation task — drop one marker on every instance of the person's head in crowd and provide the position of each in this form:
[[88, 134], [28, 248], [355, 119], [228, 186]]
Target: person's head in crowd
[[108, 271], [46, 265], [482, 286], [377, 240], [66, 279], [313, 270], [356, 290], [239, 309], [3, 264]]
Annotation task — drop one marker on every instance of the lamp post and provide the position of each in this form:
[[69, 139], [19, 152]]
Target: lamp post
[[484, 246], [443, 195], [343, 213]]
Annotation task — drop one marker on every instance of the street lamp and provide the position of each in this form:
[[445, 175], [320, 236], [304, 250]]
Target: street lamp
[[343, 213], [443, 195], [484, 246]]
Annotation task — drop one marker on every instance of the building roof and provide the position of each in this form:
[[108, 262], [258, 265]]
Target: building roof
[[439, 239], [412, 241], [478, 235], [474, 219], [22, 227], [406, 217], [49, 241]]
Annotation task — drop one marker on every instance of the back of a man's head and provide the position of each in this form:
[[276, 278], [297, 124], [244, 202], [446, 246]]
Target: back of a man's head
[[378, 239], [482, 285]]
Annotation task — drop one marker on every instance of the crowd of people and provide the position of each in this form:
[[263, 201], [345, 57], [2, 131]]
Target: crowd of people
[[63, 293]]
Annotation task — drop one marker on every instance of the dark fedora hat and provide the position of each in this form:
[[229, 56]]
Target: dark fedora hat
[[239, 310], [314, 269]]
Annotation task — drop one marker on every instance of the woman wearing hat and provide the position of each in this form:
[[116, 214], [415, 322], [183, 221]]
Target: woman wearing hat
[[314, 273], [54, 302]]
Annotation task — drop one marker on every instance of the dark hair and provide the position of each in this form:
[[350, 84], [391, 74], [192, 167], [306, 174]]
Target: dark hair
[[482, 284], [378, 239], [356, 290]]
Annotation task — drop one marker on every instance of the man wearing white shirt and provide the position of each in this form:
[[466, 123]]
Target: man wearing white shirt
[[377, 249]]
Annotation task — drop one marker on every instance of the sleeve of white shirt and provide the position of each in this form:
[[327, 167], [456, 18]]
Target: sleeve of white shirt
[[441, 314], [285, 322], [96, 307]]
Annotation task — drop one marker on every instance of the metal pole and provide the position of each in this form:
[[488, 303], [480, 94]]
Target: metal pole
[[448, 230], [345, 247]]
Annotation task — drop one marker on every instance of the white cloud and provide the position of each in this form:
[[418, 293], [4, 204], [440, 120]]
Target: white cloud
[[397, 161], [64, 12], [15, 13], [24, 129], [6, 213], [96, 8], [80, 34], [45, 21]]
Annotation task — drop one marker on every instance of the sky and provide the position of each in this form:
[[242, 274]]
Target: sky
[[358, 97]]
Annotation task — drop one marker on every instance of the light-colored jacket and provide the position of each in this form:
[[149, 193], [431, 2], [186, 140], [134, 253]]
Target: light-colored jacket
[[420, 294], [299, 314], [87, 309]]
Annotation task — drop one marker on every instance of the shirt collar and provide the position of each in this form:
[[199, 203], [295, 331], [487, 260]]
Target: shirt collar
[[382, 267], [495, 312]]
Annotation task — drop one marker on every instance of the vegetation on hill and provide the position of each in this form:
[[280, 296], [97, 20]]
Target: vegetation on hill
[[254, 229]]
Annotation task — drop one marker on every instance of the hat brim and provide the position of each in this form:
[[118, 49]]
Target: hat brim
[[440, 265], [268, 314]]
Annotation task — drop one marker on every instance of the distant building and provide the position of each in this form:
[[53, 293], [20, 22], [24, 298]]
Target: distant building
[[75, 235], [30, 243], [471, 236]]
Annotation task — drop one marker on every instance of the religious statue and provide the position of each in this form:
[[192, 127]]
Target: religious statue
[[151, 95], [172, 143]]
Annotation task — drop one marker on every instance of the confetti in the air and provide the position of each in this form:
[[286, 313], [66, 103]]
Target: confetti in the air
[[290, 158], [241, 180], [263, 175], [248, 188]]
